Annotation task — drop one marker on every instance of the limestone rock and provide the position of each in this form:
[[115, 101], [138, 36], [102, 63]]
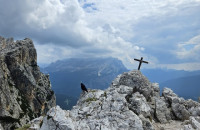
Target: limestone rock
[[156, 89], [138, 104], [96, 110], [107, 109], [147, 124], [188, 127], [25, 92], [193, 107], [180, 111], [130, 103], [181, 108], [192, 124], [36, 123], [169, 95], [138, 82], [195, 122], [161, 111], [57, 119]]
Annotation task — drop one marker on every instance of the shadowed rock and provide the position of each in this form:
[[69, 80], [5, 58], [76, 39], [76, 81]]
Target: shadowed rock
[[25, 92]]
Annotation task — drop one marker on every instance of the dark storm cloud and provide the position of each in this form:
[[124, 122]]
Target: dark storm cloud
[[16, 21]]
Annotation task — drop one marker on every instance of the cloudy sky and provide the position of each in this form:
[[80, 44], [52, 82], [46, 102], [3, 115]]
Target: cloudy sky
[[165, 32]]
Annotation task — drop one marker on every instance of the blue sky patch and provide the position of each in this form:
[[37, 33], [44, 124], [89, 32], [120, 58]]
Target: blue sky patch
[[89, 5], [189, 47]]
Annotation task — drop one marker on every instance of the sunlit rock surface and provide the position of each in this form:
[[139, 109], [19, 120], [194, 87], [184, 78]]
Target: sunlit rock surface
[[130, 103]]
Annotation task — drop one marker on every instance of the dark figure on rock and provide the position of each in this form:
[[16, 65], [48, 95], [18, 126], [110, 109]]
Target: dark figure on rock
[[83, 87]]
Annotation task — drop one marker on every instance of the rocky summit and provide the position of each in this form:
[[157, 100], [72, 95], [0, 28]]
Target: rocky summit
[[130, 103], [25, 92]]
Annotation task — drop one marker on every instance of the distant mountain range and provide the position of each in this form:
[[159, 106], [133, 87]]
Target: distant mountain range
[[184, 83], [187, 87], [95, 73], [98, 73], [162, 75]]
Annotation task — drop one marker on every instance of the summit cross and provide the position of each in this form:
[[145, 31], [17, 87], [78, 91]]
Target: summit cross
[[141, 61]]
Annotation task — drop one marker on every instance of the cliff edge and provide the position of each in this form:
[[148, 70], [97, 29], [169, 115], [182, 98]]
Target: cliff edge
[[25, 92]]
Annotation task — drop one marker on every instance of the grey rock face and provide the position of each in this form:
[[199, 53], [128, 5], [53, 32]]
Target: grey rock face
[[139, 105], [25, 93], [180, 111], [161, 111], [181, 108], [192, 124], [36, 123], [130, 103], [138, 82]]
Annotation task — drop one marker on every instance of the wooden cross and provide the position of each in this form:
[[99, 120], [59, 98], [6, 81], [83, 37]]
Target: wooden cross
[[141, 61]]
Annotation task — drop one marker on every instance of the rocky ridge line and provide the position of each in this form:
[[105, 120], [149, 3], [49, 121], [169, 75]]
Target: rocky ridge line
[[25, 92], [130, 103]]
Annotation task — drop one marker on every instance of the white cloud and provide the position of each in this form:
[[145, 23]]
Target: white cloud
[[45, 14], [182, 66], [124, 14], [124, 29], [189, 50]]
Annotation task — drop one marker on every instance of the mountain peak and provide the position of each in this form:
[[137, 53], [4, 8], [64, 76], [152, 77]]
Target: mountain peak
[[96, 73], [131, 102], [77, 64]]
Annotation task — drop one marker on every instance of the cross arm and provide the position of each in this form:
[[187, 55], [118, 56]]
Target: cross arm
[[137, 59], [145, 62]]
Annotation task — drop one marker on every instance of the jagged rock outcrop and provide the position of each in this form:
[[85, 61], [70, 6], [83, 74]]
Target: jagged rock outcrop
[[130, 103], [25, 92]]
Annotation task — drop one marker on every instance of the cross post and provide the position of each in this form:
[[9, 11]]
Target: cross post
[[141, 61]]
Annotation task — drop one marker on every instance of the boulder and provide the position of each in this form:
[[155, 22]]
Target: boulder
[[180, 111], [193, 107], [181, 108], [138, 104], [138, 82], [168, 94], [155, 90], [146, 122], [36, 123], [162, 113], [192, 124], [57, 119], [195, 122]]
